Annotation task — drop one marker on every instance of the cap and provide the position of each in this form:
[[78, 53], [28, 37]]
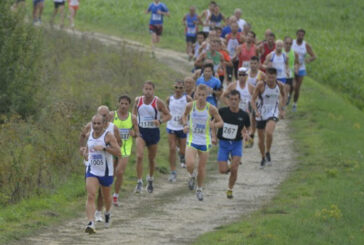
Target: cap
[[242, 70]]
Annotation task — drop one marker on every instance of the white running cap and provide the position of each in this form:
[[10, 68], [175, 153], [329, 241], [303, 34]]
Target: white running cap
[[243, 70]]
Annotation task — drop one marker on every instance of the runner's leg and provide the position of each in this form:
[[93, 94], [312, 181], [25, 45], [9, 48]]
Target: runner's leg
[[190, 160], [106, 192], [119, 173], [203, 156], [269, 129], [297, 87], [140, 143], [172, 138], [92, 186], [100, 201], [152, 152], [234, 171], [261, 143]]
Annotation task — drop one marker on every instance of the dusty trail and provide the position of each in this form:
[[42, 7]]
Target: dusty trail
[[172, 214]]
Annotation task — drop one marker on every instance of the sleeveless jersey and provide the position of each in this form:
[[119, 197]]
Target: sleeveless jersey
[[216, 59], [301, 51], [197, 47], [267, 51], [147, 113], [279, 62], [216, 20], [232, 43], [245, 96], [246, 55], [206, 22], [100, 163], [191, 29], [291, 58], [73, 2], [177, 108], [199, 122], [124, 126], [269, 102], [253, 80]]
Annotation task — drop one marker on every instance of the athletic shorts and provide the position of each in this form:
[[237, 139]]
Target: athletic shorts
[[262, 124], [282, 80], [157, 29], [126, 148], [190, 39], [35, 2], [58, 4], [178, 133], [151, 136], [103, 180], [301, 73], [289, 81], [205, 148], [229, 147]]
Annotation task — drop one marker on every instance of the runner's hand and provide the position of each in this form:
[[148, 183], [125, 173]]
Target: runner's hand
[[82, 151], [186, 129], [257, 114], [157, 123], [282, 114]]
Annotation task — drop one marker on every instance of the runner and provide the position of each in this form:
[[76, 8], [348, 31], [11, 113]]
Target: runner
[[190, 21], [227, 28], [246, 51], [269, 109], [214, 84], [293, 66], [73, 6], [232, 42], [241, 22], [301, 47], [101, 146], [205, 17], [236, 127], [211, 55], [196, 47], [58, 7], [227, 61], [279, 60], [189, 83], [157, 10], [147, 109], [197, 123], [128, 127], [176, 104], [216, 17], [38, 6], [267, 47]]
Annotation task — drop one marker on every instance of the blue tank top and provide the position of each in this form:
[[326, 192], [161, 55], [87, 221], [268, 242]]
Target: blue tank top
[[217, 19], [191, 29]]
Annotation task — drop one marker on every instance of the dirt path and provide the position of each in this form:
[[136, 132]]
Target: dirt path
[[172, 214]]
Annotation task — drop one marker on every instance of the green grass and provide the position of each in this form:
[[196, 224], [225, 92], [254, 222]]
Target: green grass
[[322, 200], [335, 30]]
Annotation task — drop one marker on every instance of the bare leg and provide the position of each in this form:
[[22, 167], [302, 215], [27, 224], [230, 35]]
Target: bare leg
[[297, 88], [106, 192], [203, 156], [140, 143], [234, 171], [120, 169], [92, 186], [61, 12], [269, 129], [190, 159], [152, 152], [261, 135], [182, 146], [100, 203], [172, 151]]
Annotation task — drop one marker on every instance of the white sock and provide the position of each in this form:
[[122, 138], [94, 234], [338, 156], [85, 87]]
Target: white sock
[[140, 180], [150, 178], [107, 213]]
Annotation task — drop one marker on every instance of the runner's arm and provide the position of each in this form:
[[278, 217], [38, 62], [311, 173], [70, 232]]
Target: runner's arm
[[167, 102], [237, 53], [225, 94], [83, 137], [135, 130], [135, 107], [112, 145], [267, 63], [286, 65], [296, 63], [200, 59], [189, 98], [117, 136], [282, 101], [185, 117], [217, 122], [257, 92], [184, 20], [166, 116], [311, 53]]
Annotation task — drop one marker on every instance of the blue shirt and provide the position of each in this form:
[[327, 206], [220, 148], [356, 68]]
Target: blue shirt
[[227, 30], [155, 18], [213, 83]]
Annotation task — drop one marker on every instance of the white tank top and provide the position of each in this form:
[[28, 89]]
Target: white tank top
[[269, 102], [253, 80], [301, 51], [245, 96], [177, 108], [100, 163], [147, 113], [231, 46], [206, 22], [197, 47], [279, 62], [199, 133]]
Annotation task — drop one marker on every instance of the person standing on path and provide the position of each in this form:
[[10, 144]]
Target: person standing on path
[[198, 124], [190, 22], [301, 47], [100, 149], [176, 104], [236, 127], [270, 108], [148, 109], [157, 10], [128, 127]]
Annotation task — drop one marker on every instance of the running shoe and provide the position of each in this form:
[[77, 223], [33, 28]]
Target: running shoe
[[182, 160], [267, 157], [249, 143], [199, 195], [262, 163], [115, 201], [191, 183], [294, 108], [150, 186], [90, 228], [172, 177], [98, 216], [183, 165], [229, 194], [139, 187], [107, 220]]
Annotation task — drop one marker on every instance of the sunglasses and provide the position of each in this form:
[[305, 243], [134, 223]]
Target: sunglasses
[[176, 87], [242, 74]]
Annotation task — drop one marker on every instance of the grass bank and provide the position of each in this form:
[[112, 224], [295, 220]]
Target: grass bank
[[322, 200]]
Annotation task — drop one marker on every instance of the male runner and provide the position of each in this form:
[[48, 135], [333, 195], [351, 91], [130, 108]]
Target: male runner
[[196, 47], [293, 66], [266, 47], [241, 22], [58, 7], [232, 43], [128, 127], [214, 84], [236, 127], [101, 146], [197, 123], [176, 104], [246, 51], [205, 17], [301, 47], [157, 10], [211, 55], [147, 109], [189, 83], [38, 6], [73, 6], [216, 18], [190, 21], [269, 109]]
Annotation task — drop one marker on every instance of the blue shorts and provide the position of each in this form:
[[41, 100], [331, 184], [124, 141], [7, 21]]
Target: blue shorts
[[103, 180], [200, 147], [35, 2], [178, 133], [191, 39], [151, 136], [301, 73], [282, 80], [229, 147]]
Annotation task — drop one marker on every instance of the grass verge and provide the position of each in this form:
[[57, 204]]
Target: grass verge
[[321, 201]]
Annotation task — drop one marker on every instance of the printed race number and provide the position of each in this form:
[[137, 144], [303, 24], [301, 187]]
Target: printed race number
[[229, 131], [97, 159], [124, 133]]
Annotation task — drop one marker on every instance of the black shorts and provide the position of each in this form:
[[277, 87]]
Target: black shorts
[[262, 124], [289, 81], [150, 136], [191, 39], [58, 4], [157, 29]]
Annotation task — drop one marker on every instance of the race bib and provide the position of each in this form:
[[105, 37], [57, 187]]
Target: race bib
[[191, 30], [199, 129], [177, 119], [246, 64], [156, 17], [96, 159], [229, 131], [147, 124], [243, 105], [124, 133]]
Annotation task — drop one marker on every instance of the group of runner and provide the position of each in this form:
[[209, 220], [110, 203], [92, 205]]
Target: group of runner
[[263, 72]]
